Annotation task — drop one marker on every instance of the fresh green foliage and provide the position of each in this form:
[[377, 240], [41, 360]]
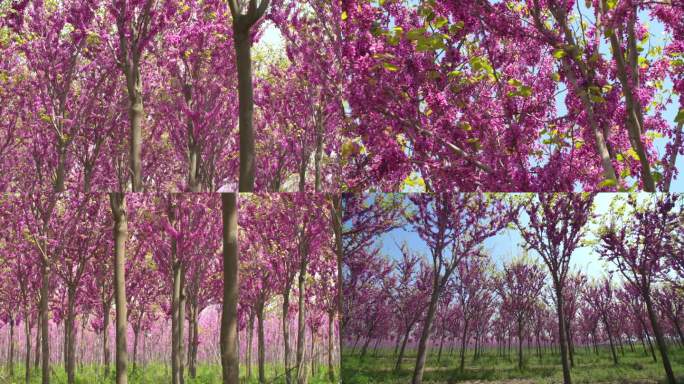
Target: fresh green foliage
[[634, 367]]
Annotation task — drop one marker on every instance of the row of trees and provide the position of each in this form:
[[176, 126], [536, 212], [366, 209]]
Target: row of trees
[[456, 295], [69, 262], [142, 95], [496, 96]]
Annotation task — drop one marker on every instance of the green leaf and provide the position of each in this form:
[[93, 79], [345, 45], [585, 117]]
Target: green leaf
[[416, 34], [596, 98], [480, 63], [607, 183], [632, 153], [455, 27], [657, 176], [390, 67], [559, 53], [625, 173], [680, 117], [440, 22], [431, 43], [525, 91]]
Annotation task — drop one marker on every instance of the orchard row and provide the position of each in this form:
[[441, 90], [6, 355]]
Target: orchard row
[[160, 274], [444, 289]]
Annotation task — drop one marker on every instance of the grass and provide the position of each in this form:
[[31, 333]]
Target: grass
[[154, 374], [632, 368]]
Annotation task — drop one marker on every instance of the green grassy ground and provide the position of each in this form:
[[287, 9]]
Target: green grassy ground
[[154, 374], [633, 368]]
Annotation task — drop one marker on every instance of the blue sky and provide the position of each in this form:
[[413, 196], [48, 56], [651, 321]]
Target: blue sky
[[506, 245]]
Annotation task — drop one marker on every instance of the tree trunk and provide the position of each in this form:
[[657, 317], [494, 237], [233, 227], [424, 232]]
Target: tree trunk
[[65, 351], [301, 319], [561, 334], [250, 335], [441, 344], [11, 348], [313, 341], [400, 358], [286, 334], [81, 359], [612, 347], [539, 352], [176, 318], [464, 338], [425, 335], [303, 163], [660, 340], [318, 155], [105, 338], [571, 346], [193, 147], [27, 329], [195, 344], [243, 49], [192, 323], [356, 342], [69, 336], [118, 205], [366, 343], [520, 345], [331, 336], [650, 346], [336, 217], [188, 341], [634, 121], [261, 341], [229, 348], [622, 349], [136, 334], [194, 160], [44, 325], [181, 323], [136, 115], [37, 357]]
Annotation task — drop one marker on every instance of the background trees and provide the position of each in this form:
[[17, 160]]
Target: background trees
[[357, 95], [151, 105], [156, 261], [492, 304]]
